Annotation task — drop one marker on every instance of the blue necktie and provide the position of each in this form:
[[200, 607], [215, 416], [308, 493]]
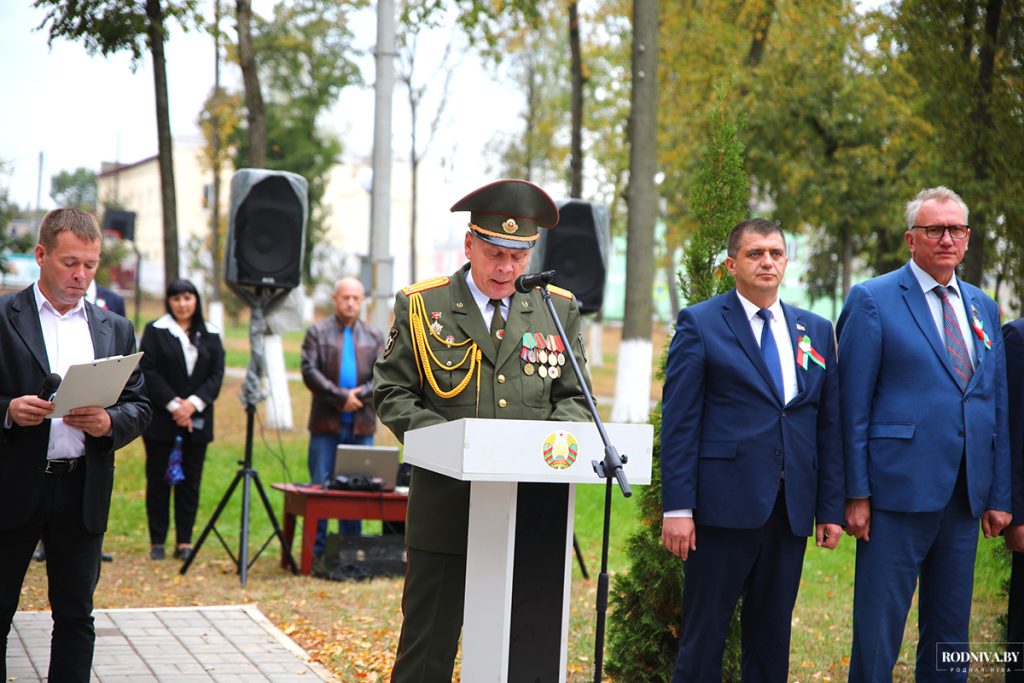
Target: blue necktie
[[770, 352]]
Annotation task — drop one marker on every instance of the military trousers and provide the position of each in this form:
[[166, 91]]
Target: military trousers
[[432, 606]]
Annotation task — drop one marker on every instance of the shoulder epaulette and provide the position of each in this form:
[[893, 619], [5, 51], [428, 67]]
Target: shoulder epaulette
[[425, 285], [559, 291]]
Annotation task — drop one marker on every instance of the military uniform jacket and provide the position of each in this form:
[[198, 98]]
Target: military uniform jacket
[[438, 505]]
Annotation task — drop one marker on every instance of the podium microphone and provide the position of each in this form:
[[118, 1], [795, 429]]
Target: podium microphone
[[526, 283], [49, 388]]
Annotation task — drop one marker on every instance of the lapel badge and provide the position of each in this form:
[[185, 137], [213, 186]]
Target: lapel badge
[[801, 327], [805, 350], [436, 327], [979, 328], [500, 334], [449, 339], [435, 315]]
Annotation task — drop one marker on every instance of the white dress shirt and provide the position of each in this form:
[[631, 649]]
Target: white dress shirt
[[483, 302], [928, 283], [191, 353], [68, 342], [787, 357]]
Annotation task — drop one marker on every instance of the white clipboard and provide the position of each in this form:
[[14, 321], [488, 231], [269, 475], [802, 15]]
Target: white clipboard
[[98, 383]]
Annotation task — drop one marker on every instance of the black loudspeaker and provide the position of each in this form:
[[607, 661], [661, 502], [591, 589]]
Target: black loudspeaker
[[577, 250], [266, 229], [121, 222]]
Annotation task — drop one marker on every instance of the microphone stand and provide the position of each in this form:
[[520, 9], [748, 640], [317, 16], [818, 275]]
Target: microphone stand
[[608, 469]]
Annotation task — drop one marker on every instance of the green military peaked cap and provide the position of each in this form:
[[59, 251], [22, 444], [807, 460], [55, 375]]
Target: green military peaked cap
[[507, 213]]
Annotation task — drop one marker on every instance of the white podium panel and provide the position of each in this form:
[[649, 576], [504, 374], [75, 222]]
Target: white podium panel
[[517, 620], [528, 450]]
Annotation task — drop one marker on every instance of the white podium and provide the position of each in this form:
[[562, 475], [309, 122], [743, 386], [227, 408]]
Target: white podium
[[519, 553]]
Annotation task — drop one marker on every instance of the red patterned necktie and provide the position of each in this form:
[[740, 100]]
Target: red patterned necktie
[[955, 346]]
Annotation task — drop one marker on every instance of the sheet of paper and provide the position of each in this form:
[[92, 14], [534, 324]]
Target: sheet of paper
[[98, 383]]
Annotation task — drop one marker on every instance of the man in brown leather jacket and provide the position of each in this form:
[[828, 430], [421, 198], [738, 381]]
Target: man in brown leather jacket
[[338, 354]]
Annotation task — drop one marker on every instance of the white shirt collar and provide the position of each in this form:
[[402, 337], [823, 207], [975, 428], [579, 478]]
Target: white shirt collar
[[928, 283], [41, 301], [751, 308], [167, 322], [481, 299]]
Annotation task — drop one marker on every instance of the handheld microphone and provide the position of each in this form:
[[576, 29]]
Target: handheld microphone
[[526, 283], [50, 385]]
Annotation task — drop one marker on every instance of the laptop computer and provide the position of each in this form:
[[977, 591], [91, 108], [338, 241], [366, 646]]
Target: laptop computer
[[368, 461]]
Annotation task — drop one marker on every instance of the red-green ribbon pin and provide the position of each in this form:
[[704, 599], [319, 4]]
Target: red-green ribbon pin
[[979, 329], [805, 350]]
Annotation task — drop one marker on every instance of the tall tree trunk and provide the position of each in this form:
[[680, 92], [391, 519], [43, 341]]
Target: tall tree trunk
[[974, 263], [576, 156], [531, 118], [257, 117], [414, 164], [846, 256], [215, 292], [760, 37], [634, 370], [168, 198]]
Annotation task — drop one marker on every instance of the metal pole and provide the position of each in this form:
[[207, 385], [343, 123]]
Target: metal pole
[[381, 262]]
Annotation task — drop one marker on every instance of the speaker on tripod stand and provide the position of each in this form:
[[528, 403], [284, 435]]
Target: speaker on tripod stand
[[263, 262]]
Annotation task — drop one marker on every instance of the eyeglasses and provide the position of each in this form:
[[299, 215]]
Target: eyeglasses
[[935, 232]]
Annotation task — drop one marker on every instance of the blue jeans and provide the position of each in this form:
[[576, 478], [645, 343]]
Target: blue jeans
[[322, 450]]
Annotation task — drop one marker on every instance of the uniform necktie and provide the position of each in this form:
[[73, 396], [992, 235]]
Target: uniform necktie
[[954, 338], [770, 351], [497, 322]]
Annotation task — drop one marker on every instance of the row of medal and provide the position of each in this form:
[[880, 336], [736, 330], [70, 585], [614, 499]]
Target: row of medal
[[544, 355]]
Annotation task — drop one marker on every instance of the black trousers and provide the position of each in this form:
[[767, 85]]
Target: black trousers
[[186, 493], [72, 572], [763, 566], [1015, 619]]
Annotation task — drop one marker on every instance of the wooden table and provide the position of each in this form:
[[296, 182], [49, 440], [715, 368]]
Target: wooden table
[[315, 503]]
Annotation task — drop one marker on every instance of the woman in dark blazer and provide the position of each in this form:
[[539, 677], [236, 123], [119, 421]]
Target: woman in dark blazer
[[183, 366]]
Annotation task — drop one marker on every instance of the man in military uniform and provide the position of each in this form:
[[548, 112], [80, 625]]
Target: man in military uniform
[[463, 346]]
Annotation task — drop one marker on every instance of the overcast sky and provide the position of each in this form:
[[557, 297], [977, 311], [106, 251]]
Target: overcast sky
[[79, 110]]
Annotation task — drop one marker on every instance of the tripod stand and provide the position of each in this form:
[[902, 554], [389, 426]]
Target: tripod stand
[[247, 474]]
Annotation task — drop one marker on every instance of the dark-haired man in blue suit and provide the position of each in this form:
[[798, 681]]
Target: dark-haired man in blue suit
[[923, 383], [751, 457]]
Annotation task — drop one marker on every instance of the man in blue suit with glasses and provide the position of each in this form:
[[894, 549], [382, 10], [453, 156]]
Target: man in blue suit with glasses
[[924, 401]]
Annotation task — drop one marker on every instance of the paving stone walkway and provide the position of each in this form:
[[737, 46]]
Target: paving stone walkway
[[175, 644]]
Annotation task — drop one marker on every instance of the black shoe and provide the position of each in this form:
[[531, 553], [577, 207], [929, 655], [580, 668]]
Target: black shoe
[[183, 553], [106, 557], [39, 555], [156, 552]]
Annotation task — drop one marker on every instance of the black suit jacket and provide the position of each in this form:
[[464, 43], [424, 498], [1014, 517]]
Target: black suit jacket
[[167, 377], [23, 449]]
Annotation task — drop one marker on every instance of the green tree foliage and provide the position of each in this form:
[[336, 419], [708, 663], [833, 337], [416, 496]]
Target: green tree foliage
[[832, 140], [137, 26], [965, 58], [645, 618], [305, 59], [74, 189], [536, 62]]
